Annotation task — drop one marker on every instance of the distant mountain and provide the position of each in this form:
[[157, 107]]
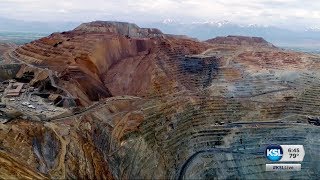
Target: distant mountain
[[208, 29], [23, 31], [314, 29], [241, 40]]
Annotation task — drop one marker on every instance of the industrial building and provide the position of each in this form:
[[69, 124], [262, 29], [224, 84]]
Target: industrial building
[[14, 89]]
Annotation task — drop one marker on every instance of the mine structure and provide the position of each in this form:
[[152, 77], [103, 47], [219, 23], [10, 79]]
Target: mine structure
[[14, 89], [314, 120], [39, 101]]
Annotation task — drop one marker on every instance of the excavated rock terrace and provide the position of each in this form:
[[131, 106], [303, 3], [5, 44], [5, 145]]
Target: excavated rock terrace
[[157, 106]]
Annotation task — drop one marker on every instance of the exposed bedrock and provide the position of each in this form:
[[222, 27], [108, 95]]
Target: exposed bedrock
[[101, 59], [9, 71]]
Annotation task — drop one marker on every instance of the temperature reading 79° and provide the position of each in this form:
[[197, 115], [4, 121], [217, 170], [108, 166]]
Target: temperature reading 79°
[[293, 155]]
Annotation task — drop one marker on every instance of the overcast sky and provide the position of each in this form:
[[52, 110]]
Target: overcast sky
[[283, 13]]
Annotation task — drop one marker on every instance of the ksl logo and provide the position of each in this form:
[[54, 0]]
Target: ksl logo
[[274, 152]]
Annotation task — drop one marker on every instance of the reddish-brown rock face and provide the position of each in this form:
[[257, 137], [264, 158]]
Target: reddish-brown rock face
[[4, 47], [103, 59]]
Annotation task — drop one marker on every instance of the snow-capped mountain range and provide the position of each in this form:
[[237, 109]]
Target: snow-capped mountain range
[[210, 23], [201, 30], [204, 30], [314, 29]]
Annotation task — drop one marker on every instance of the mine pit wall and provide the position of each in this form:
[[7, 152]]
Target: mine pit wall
[[107, 53], [105, 56], [9, 71], [39, 74], [171, 141], [96, 58], [241, 154], [99, 56], [182, 68], [58, 151], [174, 141], [201, 70], [244, 157], [31, 144], [89, 90], [46, 148]]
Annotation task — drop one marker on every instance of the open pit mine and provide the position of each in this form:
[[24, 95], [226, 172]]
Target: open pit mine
[[111, 100]]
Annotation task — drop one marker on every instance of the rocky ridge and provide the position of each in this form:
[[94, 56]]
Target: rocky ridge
[[241, 40]]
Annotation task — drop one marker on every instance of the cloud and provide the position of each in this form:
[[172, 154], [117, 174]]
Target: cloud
[[265, 12]]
